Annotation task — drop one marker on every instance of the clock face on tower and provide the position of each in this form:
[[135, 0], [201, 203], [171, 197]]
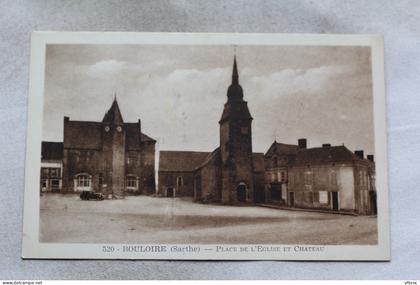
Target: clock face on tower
[[119, 129], [107, 129]]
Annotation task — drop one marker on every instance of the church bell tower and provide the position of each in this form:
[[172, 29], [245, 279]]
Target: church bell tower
[[236, 145]]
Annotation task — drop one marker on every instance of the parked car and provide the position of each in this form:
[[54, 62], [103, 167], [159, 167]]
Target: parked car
[[209, 198], [90, 195]]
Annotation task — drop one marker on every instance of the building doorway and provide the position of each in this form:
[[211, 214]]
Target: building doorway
[[241, 192], [373, 205], [259, 196], [170, 192], [276, 191], [334, 200], [291, 199]]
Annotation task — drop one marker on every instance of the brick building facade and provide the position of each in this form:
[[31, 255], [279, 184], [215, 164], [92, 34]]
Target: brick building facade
[[112, 157]]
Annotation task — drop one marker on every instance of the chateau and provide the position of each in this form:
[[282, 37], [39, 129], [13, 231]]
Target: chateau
[[111, 157], [116, 158]]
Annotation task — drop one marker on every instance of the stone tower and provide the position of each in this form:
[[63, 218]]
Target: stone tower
[[113, 134], [236, 145]]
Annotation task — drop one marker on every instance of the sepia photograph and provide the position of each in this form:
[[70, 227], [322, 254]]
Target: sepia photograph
[[208, 145]]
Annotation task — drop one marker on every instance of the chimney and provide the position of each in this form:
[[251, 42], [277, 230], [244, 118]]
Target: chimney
[[359, 153], [326, 145], [302, 143], [370, 157]]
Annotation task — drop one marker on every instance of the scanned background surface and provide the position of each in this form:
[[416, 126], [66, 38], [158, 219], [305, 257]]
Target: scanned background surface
[[397, 21]]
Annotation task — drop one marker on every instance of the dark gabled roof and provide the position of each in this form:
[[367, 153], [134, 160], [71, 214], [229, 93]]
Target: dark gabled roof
[[88, 135], [52, 150], [82, 135], [146, 138], [281, 149], [322, 155], [209, 158], [258, 161], [132, 136], [181, 160]]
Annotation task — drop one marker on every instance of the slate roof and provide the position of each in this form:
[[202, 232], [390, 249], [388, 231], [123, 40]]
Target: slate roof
[[133, 136], [83, 135], [209, 158], [322, 155], [52, 150], [181, 160], [282, 149], [146, 138], [188, 161]]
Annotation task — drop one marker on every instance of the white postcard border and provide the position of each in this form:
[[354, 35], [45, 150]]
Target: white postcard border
[[32, 248]]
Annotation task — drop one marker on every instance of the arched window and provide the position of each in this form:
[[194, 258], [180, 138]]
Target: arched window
[[131, 183], [82, 182], [179, 181]]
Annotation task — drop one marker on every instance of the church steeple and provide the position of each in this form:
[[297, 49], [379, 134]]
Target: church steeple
[[236, 145], [113, 116], [235, 92], [235, 107]]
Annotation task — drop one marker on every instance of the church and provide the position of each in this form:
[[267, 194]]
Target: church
[[232, 173], [325, 178], [112, 157]]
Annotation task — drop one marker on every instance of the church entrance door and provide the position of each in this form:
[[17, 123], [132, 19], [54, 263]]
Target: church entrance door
[[259, 196], [241, 192]]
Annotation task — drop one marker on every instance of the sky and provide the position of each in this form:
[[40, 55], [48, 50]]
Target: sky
[[323, 94]]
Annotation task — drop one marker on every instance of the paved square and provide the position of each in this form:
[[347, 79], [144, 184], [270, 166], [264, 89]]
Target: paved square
[[144, 219]]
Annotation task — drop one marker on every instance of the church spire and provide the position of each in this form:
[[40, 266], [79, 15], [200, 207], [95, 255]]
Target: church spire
[[235, 76], [235, 92]]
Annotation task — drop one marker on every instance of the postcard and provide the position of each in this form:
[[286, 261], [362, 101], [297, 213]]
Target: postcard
[[206, 146]]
